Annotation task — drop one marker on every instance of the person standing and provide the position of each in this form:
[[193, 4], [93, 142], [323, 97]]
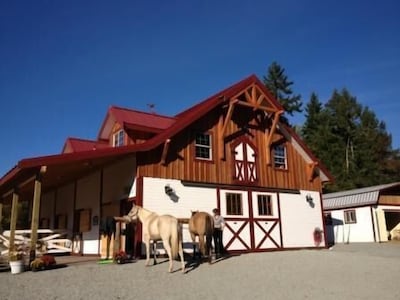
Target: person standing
[[219, 224]]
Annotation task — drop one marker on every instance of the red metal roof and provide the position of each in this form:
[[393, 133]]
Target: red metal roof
[[78, 145], [168, 126], [133, 119]]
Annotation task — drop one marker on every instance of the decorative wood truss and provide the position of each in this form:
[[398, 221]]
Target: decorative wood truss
[[311, 169], [252, 97]]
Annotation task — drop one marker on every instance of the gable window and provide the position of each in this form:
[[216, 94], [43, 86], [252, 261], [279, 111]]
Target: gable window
[[264, 205], [203, 148], [350, 217], [234, 204], [118, 138], [280, 160]]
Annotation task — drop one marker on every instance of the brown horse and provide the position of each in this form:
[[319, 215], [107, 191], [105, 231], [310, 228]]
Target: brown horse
[[201, 224]]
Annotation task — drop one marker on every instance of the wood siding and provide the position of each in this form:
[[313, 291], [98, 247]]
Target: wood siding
[[389, 200], [181, 163]]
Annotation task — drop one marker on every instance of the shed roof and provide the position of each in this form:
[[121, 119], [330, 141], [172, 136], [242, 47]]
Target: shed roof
[[357, 197]]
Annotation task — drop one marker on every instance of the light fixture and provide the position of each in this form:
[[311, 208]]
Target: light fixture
[[168, 190], [309, 199]]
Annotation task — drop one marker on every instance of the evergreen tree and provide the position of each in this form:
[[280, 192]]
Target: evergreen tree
[[313, 121], [279, 85], [351, 142]]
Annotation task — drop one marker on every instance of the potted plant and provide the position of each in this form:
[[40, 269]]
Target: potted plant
[[120, 257], [17, 262], [17, 258]]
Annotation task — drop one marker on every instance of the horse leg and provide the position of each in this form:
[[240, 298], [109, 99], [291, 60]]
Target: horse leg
[[147, 241], [154, 252], [193, 236], [181, 255], [167, 248], [201, 246]]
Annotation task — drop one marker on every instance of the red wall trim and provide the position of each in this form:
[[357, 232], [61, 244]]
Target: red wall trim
[[139, 201]]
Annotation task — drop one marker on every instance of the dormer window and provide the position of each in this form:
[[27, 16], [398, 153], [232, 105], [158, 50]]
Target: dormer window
[[280, 159], [118, 138], [203, 149]]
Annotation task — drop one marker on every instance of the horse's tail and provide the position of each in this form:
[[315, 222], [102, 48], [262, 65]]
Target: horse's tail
[[176, 238], [209, 233]]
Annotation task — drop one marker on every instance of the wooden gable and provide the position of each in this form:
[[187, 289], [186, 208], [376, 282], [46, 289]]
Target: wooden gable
[[251, 114]]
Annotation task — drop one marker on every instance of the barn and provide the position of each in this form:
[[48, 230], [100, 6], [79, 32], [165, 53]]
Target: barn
[[370, 214], [228, 151]]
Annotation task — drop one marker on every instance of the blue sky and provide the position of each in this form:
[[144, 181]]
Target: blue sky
[[63, 63]]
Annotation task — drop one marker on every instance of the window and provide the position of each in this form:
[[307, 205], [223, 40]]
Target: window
[[280, 157], [203, 146], [350, 216], [118, 138], [234, 204], [264, 205]]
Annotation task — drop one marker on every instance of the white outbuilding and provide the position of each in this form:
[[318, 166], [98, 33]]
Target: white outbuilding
[[370, 214]]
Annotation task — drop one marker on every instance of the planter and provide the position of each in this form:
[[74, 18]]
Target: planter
[[17, 266]]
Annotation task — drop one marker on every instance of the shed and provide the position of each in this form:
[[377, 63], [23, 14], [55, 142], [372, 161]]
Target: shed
[[370, 214]]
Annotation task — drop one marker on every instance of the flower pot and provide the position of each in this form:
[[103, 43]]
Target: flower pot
[[17, 266]]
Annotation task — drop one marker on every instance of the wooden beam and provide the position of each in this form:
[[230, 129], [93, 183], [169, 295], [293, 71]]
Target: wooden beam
[[271, 133], [310, 170], [265, 108], [13, 223], [248, 97], [253, 94], [228, 116], [220, 140], [19, 186], [35, 217], [165, 151], [259, 100]]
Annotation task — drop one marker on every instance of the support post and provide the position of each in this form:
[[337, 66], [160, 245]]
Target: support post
[[35, 218], [13, 223], [1, 217]]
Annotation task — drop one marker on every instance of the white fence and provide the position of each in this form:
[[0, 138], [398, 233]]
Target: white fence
[[49, 241]]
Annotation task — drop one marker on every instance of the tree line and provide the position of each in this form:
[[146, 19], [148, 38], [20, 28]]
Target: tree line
[[346, 136]]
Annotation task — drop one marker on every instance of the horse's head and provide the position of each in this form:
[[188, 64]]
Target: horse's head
[[133, 213]]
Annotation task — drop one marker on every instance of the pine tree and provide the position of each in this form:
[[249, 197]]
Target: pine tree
[[350, 140], [313, 120], [279, 85]]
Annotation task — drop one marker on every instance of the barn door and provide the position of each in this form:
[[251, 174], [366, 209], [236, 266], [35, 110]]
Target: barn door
[[244, 161], [265, 221], [252, 220]]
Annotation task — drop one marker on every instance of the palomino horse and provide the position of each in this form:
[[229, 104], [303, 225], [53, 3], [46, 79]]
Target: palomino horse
[[201, 224], [155, 227]]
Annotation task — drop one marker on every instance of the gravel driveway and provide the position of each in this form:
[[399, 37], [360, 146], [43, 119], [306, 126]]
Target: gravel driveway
[[356, 271]]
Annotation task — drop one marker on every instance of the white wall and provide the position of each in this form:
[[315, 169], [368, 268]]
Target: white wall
[[362, 231], [188, 198], [88, 197], [299, 219]]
